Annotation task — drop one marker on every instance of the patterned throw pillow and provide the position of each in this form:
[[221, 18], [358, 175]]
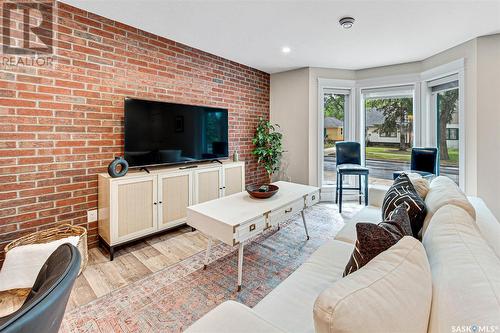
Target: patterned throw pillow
[[402, 192], [373, 239]]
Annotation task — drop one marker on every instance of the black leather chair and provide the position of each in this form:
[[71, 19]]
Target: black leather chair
[[423, 162], [348, 162], [43, 310]]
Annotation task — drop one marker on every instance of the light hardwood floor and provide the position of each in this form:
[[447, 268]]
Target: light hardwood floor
[[132, 263]]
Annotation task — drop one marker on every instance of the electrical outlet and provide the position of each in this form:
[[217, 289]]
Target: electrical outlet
[[92, 215]]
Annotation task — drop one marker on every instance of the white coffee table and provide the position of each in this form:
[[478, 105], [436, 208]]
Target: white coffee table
[[237, 218]]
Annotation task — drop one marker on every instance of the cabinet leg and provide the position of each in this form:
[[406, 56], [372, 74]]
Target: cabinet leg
[[240, 265], [111, 253], [305, 225], [207, 253]]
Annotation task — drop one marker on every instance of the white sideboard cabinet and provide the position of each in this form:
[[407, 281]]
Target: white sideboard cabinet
[[141, 204]]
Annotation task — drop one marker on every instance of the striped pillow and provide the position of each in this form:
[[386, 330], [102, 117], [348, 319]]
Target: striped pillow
[[402, 192]]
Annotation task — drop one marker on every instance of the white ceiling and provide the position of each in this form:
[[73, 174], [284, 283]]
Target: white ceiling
[[254, 32]]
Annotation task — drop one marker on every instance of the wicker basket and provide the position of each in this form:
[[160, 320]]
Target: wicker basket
[[53, 234]]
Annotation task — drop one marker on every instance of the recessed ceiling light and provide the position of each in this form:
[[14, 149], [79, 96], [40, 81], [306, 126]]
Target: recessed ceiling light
[[347, 22], [285, 49]]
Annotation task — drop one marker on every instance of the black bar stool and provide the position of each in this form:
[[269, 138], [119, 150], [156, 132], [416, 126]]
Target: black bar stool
[[423, 162], [348, 162]]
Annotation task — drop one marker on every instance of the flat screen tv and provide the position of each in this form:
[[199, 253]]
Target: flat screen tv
[[158, 133]]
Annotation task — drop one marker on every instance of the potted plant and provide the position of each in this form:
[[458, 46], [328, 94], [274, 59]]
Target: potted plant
[[268, 146]]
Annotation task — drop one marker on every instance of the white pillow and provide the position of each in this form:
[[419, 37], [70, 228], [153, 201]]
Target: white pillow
[[444, 191], [392, 293], [23, 263], [420, 184]]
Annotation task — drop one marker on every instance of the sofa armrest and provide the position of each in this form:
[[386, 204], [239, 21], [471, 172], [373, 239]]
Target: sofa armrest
[[376, 194], [230, 317]]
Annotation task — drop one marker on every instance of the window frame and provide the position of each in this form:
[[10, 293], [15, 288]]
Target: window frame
[[443, 74], [338, 86]]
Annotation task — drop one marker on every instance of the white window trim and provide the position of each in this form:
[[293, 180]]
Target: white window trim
[[324, 84], [354, 122], [456, 67], [390, 84]]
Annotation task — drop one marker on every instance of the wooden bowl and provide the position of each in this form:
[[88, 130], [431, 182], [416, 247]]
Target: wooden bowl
[[253, 190]]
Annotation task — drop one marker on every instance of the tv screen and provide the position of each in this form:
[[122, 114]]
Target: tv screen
[[167, 133]]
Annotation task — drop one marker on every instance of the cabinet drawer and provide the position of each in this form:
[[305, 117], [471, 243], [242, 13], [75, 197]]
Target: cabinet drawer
[[250, 229], [312, 199], [284, 213]]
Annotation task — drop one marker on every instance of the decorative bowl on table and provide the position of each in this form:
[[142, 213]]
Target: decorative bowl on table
[[262, 191]]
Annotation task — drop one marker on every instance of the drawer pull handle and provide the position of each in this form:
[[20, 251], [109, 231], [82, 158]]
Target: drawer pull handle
[[252, 227], [314, 197], [288, 210]]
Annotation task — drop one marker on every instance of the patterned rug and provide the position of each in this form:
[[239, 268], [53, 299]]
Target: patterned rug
[[171, 299]]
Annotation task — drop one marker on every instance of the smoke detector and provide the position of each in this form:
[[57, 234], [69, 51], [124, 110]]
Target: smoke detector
[[346, 22]]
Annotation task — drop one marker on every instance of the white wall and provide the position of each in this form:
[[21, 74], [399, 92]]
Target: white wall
[[290, 110], [488, 121], [399, 69], [482, 113]]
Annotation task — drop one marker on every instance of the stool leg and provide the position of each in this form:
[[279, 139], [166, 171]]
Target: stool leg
[[340, 193], [359, 188], [337, 189], [366, 190]]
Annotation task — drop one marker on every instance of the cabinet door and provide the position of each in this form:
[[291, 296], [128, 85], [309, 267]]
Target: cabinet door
[[174, 196], [208, 184], [135, 210], [234, 179]]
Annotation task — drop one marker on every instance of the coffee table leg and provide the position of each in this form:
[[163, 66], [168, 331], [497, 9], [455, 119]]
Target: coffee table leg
[[305, 225], [207, 253], [240, 265]]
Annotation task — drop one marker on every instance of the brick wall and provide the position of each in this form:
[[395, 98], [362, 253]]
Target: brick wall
[[61, 126]]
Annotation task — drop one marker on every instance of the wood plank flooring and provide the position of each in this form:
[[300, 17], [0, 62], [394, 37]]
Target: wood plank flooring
[[133, 263]]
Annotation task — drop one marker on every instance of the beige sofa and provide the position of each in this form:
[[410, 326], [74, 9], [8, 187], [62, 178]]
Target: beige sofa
[[460, 277]]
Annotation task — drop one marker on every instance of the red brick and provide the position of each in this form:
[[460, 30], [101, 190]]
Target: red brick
[[16, 103], [60, 126]]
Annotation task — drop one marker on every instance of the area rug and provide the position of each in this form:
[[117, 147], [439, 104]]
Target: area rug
[[172, 299]]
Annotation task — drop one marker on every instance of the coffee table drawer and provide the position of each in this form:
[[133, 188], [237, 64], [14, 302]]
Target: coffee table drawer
[[312, 199], [250, 229], [284, 213]]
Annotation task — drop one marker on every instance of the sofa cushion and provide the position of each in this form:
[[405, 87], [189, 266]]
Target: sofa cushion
[[403, 192], [369, 214], [373, 239], [376, 194], [487, 223], [289, 305], [392, 293], [444, 191], [420, 184], [230, 317], [465, 272]]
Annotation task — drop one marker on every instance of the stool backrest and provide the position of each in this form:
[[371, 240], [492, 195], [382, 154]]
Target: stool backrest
[[348, 152], [43, 310], [424, 159]]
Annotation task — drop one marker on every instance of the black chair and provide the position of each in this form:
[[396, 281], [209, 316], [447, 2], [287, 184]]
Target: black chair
[[348, 162], [423, 162], [43, 310]]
